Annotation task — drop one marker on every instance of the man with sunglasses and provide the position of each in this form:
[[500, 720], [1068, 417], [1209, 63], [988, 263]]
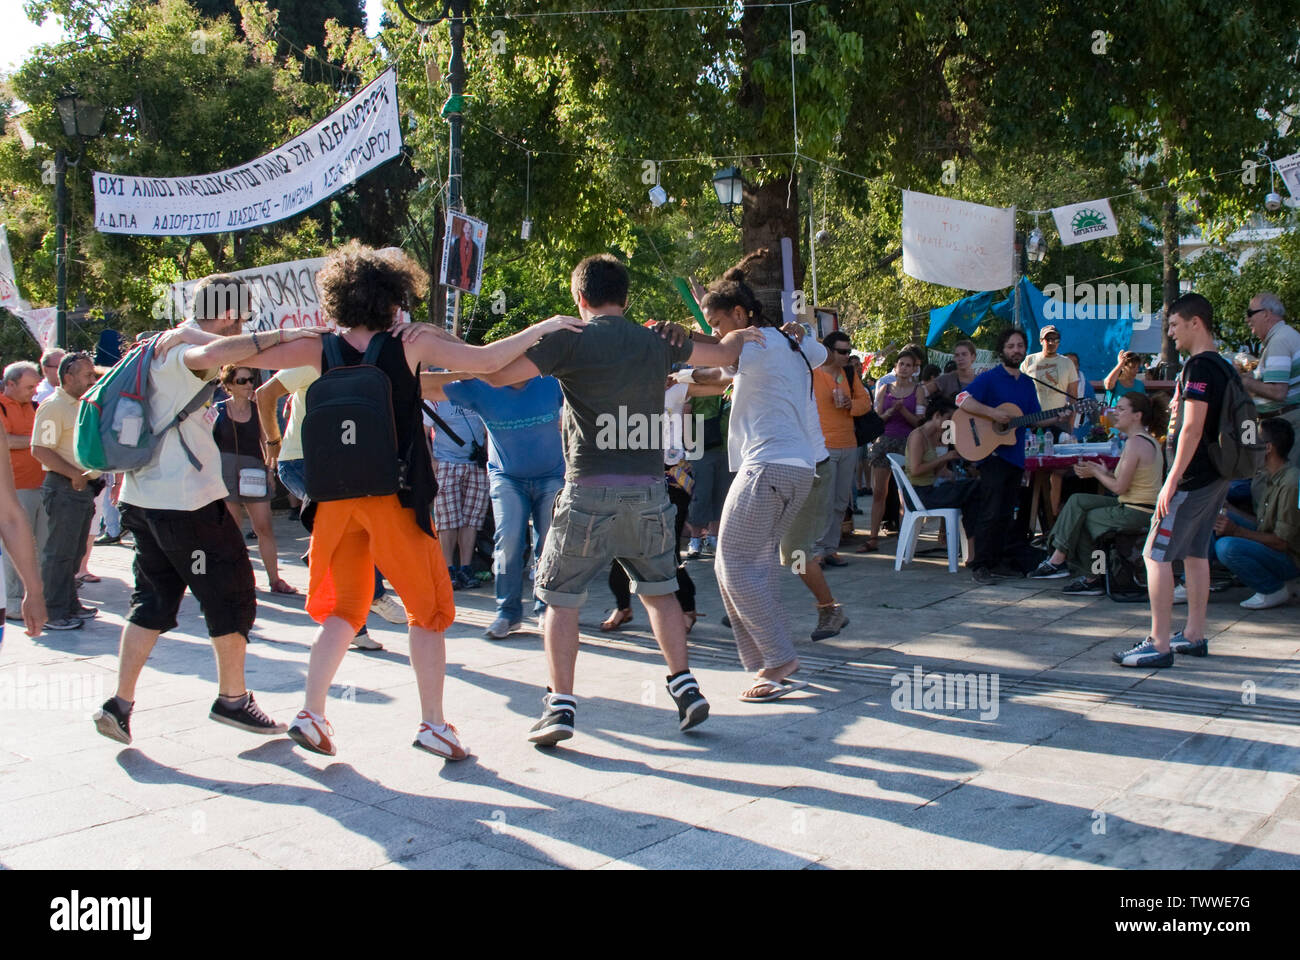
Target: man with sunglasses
[[839, 400], [1276, 384], [50, 361], [1050, 367]]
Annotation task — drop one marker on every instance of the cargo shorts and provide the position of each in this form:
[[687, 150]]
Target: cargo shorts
[[592, 526]]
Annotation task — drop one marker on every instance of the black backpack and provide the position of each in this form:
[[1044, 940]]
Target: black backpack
[[349, 433]]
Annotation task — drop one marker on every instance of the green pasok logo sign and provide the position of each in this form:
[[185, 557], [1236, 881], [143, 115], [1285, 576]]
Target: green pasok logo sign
[[1088, 221]]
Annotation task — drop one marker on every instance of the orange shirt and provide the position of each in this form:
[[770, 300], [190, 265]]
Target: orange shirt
[[18, 419], [837, 424]]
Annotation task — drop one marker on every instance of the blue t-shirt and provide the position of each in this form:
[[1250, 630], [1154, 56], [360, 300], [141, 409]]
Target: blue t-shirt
[[523, 425], [997, 386], [467, 426]]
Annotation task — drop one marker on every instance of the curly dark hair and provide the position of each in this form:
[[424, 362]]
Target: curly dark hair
[[361, 286]]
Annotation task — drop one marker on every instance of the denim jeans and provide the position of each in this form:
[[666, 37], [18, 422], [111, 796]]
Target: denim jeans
[[1261, 568], [513, 502]]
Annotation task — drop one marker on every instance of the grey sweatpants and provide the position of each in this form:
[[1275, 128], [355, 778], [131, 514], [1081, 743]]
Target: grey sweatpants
[[842, 464], [30, 500], [762, 503]]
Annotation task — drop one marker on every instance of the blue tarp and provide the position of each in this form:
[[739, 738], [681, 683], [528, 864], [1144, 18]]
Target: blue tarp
[[1095, 333], [965, 315]]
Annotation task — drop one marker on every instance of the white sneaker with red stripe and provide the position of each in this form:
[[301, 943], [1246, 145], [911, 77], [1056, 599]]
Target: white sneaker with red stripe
[[443, 742], [313, 733]]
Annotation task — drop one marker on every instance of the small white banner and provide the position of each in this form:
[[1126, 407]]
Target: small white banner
[[957, 244], [1085, 221], [282, 295], [353, 140], [41, 323], [1288, 168], [8, 282]]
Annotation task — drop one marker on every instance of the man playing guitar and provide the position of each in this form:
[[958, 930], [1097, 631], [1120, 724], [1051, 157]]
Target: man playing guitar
[[1000, 473]]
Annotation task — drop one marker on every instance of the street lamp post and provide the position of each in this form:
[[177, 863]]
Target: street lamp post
[[81, 120]]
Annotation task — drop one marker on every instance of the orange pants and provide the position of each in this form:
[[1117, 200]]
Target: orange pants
[[352, 537]]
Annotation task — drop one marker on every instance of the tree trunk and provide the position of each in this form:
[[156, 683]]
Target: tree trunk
[[766, 219], [1170, 353]]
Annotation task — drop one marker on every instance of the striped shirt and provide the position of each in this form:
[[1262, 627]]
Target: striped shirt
[[1280, 363]]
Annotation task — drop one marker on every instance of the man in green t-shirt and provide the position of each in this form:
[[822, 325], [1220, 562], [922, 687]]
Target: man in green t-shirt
[[614, 504]]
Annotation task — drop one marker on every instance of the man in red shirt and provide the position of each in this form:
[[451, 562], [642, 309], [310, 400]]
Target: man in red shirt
[[16, 414]]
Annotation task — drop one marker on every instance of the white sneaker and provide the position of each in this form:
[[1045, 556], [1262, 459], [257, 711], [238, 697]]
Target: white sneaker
[[1263, 601], [1180, 593], [312, 732], [501, 628], [364, 641], [442, 742], [390, 609]]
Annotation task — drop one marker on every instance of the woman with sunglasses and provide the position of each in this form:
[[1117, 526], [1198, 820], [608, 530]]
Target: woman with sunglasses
[[249, 481]]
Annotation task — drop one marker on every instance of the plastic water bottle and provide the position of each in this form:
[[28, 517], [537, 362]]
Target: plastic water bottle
[[1038, 441], [1050, 444], [1114, 446]]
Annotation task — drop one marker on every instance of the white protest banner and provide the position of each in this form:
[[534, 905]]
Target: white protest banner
[[281, 295], [8, 282], [41, 323], [1090, 220], [353, 140], [958, 244], [1288, 168]]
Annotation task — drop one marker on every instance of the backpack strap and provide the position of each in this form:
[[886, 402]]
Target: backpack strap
[[375, 347], [199, 401], [333, 352], [438, 421]]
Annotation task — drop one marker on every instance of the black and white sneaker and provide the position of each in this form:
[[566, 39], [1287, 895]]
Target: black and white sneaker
[[558, 710], [692, 708], [112, 722], [248, 717], [1144, 655], [1050, 571], [84, 612], [1085, 587], [65, 623]]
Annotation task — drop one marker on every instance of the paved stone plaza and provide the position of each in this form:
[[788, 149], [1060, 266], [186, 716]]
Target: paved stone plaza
[[1074, 762]]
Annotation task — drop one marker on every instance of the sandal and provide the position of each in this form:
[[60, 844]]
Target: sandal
[[87, 578], [280, 585], [871, 545], [764, 689], [616, 619]]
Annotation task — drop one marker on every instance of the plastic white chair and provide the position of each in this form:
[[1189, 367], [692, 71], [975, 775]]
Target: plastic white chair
[[910, 525]]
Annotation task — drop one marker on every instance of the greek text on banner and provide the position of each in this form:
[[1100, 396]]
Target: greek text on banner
[[353, 140], [957, 244]]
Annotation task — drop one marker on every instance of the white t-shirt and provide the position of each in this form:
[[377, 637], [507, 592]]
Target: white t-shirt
[[170, 482], [295, 381], [773, 417]]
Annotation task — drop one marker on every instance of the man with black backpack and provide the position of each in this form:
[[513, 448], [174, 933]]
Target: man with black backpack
[[1194, 489], [173, 506]]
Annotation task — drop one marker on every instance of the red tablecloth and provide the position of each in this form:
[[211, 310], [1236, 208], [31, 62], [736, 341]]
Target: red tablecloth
[[1033, 464]]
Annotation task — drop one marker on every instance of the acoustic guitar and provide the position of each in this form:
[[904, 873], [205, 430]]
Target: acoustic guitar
[[978, 437]]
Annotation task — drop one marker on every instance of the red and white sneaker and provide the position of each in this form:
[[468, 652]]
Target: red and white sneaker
[[444, 743], [313, 733]]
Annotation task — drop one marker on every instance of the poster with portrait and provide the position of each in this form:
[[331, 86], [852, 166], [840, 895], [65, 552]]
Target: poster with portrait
[[462, 253]]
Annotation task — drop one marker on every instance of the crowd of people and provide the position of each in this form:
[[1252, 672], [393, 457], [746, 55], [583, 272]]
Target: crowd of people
[[394, 438]]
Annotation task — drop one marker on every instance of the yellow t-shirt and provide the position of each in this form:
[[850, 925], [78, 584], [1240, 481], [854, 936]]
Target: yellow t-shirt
[[55, 427], [295, 381], [1058, 371]]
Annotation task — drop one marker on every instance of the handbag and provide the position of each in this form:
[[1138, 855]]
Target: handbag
[[252, 482], [868, 427]]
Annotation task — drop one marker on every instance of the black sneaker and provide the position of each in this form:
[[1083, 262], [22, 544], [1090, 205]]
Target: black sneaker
[[106, 540], [84, 612], [692, 708], [1085, 587], [982, 576], [726, 620], [1194, 648], [65, 623], [248, 717], [556, 724], [1050, 571], [112, 722]]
